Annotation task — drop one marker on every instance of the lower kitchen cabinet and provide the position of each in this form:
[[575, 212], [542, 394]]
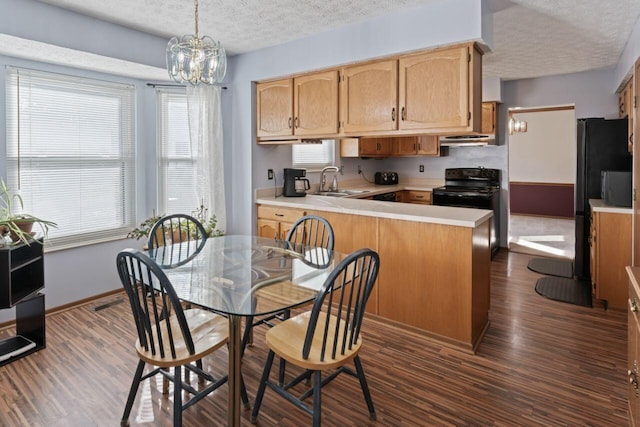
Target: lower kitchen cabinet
[[610, 242], [438, 283], [275, 222], [633, 331], [414, 196], [353, 232]]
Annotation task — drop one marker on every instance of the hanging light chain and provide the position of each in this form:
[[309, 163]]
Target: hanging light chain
[[196, 19]]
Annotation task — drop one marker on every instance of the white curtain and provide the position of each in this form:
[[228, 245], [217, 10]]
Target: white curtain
[[205, 129]]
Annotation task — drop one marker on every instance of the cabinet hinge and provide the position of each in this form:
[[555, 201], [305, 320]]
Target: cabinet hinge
[[469, 116], [468, 57], [634, 194]]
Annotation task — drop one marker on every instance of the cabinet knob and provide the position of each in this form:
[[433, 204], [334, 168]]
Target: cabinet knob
[[633, 379], [403, 114], [295, 122], [289, 122], [633, 306], [393, 114]]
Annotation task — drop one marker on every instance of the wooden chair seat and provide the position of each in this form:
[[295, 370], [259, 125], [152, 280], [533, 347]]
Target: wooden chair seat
[[209, 332], [286, 339]]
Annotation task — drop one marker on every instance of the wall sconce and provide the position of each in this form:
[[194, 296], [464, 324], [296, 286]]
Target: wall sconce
[[517, 126]]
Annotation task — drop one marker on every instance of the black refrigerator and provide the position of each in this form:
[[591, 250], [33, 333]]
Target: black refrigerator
[[602, 145]]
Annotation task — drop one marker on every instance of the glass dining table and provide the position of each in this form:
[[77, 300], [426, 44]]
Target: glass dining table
[[239, 276]]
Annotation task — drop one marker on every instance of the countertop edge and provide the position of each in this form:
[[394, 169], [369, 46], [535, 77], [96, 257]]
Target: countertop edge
[[335, 206], [598, 205]]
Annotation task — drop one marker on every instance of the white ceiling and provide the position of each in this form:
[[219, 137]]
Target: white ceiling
[[532, 38]]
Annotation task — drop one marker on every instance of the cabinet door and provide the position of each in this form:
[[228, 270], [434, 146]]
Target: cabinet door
[[420, 197], [268, 228], [428, 145], [488, 117], [434, 90], [375, 147], [406, 146], [369, 97], [316, 104], [593, 258], [274, 108], [633, 371], [613, 254]]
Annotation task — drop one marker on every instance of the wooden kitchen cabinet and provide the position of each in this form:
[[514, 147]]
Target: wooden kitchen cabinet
[[633, 345], [423, 286], [302, 106], [610, 246], [366, 147], [369, 97], [424, 145], [274, 108], [440, 90], [415, 196], [275, 222], [353, 232], [489, 117], [625, 109]]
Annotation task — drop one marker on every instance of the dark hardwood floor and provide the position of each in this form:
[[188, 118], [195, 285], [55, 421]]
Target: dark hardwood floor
[[541, 363]]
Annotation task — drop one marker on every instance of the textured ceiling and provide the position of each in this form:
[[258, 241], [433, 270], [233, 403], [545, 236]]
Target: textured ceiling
[[532, 38]]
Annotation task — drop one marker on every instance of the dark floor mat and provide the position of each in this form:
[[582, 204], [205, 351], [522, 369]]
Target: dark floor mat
[[552, 267], [566, 290]]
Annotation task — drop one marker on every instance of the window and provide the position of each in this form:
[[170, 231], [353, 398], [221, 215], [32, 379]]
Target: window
[[70, 154], [176, 189], [313, 155]]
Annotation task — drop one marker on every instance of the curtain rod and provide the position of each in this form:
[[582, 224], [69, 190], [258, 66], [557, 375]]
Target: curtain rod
[[170, 85]]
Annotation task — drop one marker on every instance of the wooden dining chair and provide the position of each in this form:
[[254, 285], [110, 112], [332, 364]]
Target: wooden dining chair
[[311, 236], [325, 338], [168, 336], [176, 228]]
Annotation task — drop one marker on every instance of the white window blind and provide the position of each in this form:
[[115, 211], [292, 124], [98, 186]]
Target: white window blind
[[70, 154], [176, 189], [313, 155]]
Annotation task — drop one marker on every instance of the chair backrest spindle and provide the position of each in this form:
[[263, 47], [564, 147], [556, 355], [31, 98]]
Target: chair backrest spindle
[[341, 302]]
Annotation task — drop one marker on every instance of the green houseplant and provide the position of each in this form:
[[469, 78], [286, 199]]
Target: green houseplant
[[16, 227], [210, 224]]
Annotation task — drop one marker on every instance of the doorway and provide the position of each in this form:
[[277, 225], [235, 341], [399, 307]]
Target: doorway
[[542, 177]]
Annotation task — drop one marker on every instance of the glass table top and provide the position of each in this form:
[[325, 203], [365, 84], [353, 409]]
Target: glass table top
[[245, 275]]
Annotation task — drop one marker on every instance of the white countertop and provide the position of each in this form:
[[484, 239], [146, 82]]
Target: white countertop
[[447, 215], [598, 205]]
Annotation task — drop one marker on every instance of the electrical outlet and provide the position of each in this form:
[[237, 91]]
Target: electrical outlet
[[359, 170], [269, 174], [421, 168]]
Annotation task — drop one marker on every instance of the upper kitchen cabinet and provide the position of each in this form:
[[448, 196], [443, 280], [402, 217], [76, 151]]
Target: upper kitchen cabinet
[[369, 97], [489, 117], [423, 145], [441, 90], [625, 109], [303, 106], [274, 108]]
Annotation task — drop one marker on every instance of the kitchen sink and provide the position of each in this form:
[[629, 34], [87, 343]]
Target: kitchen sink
[[339, 193]]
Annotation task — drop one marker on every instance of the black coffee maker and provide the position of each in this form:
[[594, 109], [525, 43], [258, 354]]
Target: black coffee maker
[[295, 185]]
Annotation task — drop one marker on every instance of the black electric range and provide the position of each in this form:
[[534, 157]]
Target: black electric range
[[477, 188]]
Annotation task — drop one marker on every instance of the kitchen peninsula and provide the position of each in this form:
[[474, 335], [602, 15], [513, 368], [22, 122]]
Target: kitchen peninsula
[[435, 260]]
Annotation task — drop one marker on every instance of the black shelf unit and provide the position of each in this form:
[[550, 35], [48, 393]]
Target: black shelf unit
[[21, 279]]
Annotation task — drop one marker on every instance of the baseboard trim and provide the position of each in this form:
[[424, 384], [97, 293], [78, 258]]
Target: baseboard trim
[[69, 306]]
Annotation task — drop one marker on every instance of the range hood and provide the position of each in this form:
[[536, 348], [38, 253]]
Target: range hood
[[467, 140]]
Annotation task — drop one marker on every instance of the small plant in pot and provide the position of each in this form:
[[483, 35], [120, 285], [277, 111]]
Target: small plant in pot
[[17, 227]]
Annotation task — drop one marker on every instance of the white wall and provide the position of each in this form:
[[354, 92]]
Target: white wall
[[546, 153]]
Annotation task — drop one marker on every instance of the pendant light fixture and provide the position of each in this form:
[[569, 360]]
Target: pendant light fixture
[[196, 60]]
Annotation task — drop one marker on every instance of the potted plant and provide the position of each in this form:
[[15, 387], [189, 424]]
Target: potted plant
[[16, 227], [210, 224]]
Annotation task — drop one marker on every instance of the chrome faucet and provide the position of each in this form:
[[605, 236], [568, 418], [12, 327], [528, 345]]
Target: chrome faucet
[[323, 178]]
